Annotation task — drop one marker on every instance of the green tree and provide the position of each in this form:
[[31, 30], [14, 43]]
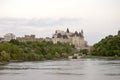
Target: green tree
[[84, 51], [4, 56], [109, 46]]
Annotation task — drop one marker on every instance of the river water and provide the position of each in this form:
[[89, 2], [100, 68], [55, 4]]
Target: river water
[[79, 69]]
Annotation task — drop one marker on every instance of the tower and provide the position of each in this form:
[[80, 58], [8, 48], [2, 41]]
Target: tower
[[67, 30], [82, 33]]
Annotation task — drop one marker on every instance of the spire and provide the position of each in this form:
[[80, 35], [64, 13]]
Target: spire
[[82, 31], [67, 30], [76, 33], [82, 34]]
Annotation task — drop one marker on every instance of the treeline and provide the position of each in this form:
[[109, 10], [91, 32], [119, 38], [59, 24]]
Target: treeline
[[109, 46], [30, 51]]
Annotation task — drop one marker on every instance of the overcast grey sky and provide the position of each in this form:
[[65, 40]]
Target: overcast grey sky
[[97, 18]]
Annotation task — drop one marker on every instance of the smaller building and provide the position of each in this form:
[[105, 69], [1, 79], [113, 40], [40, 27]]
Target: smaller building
[[1, 39], [9, 36], [29, 38], [48, 39]]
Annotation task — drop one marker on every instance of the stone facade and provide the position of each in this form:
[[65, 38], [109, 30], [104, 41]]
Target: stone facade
[[76, 38], [29, 38]]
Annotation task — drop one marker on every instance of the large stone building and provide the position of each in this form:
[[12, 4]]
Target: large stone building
[[29, 38], [9, 36], [76, 38]]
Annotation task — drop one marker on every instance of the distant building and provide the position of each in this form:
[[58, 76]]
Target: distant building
[[76, 38], [29, 38], [48, 39], [1, 39], [9, 36]]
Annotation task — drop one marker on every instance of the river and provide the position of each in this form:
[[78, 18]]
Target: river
[[79, 69]]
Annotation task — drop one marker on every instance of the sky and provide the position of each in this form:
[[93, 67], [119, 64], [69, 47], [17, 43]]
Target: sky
[[97, 18]]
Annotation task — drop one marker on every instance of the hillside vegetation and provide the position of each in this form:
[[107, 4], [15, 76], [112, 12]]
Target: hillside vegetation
[[109, 46], [30, 51]]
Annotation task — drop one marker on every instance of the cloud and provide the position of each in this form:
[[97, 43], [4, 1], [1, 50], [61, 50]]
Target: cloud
[[94, 29], [98, 18], [39, 22], [39, 27]]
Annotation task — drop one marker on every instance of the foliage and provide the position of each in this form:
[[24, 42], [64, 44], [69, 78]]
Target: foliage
[[110, 46], [4, 56], [27, 51], [84, 51]]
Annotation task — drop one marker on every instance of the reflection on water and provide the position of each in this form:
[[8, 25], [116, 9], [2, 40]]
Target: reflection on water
[[81, 69], [113, 74], [67, 73]]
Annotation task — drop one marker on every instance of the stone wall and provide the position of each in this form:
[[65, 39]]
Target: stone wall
[[29, 38]]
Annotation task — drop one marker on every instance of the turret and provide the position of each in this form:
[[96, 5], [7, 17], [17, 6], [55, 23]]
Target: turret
[[81, 31], [82, 34], [76, 33], [67, 30]]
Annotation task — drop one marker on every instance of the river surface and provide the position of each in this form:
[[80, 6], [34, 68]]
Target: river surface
[[79, 69]]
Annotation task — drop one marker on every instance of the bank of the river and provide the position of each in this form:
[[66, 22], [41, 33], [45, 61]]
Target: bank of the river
[[3, 63], [34, 51], [84, 57], [101, 57], [12, 61]]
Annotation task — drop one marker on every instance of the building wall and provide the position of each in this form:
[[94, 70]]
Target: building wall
[[74, 39], [29, 38]]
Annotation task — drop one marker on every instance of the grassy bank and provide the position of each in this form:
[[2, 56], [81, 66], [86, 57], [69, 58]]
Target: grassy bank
[[101, 57], [33, 51]]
